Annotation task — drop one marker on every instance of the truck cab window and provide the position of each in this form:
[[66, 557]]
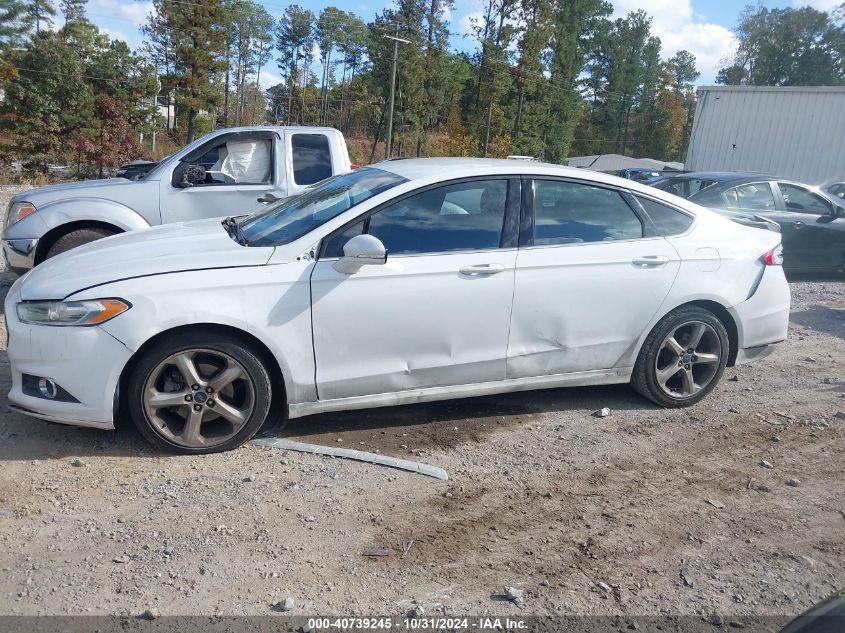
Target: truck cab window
[[312, 158]]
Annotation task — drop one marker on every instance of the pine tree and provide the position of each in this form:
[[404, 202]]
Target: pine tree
[[40, 14], [193, 37], [13, 22], [73, 10]]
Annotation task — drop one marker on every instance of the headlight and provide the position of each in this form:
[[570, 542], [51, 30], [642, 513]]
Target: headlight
[[18, 211], [91, 312]]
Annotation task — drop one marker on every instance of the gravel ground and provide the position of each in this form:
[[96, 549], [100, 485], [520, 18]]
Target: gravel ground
[[586, 515]]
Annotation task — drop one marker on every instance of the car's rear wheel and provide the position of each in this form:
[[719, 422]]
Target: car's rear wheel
[[199, 393], [682, 358], [76, 238]]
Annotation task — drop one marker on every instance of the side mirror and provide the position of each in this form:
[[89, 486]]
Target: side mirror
[[361, 250], [192, 175], [839, 212]]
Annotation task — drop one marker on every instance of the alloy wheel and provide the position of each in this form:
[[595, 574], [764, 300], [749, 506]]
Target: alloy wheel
[[198, 398], [688, 359]]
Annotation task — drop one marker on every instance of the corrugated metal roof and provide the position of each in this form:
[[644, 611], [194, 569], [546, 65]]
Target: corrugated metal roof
[[793, 132]]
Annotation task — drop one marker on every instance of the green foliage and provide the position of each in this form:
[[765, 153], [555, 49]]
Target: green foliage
[[13, 23], [40, 14], [190, 39], [548, 78], [72, 10], [48, 102], [788, 47]]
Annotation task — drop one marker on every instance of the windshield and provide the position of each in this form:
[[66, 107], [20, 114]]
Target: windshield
[[292, 218]]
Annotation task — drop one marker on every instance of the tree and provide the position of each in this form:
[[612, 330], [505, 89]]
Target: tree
[[48, 102], [40, 14], [248, 49], [191, 36], [575, 23], [294, 39], [13, 23], [72, 10], [110, 141], [327, 31], [788, 47]]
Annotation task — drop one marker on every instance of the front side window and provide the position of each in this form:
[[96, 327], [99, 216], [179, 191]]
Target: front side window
[[290, 219], [236, 161], [801, 200], [312, 158], [459, 217], [753, 196], [572, 213]]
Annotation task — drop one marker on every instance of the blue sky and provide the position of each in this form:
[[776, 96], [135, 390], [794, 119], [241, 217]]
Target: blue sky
[[701, 26]]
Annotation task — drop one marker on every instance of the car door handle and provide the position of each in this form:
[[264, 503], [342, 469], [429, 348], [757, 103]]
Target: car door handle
[[481, 269], [267, 198], [798, 224], [650, 261]]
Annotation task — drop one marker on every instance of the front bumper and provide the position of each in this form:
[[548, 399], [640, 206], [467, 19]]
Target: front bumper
[[85, 361], [20, 254]]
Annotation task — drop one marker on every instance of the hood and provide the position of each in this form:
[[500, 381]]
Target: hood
[[119, 189], [163, 249]]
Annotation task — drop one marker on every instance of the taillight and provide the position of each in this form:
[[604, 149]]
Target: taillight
[[774, 257], [354, 166]]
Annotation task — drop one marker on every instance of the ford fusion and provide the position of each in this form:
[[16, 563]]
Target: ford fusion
[[408, 281]]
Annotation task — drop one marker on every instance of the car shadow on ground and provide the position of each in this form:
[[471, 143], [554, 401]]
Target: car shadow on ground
[[388, 430], [822, 319]]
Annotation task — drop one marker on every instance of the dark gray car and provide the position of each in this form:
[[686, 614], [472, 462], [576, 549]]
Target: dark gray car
[[810, 219]]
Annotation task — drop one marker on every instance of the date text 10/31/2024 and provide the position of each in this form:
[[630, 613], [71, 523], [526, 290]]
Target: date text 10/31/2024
[[418, 624]]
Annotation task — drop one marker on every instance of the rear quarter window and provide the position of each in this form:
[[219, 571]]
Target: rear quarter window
[[312, 158], [667, 221]]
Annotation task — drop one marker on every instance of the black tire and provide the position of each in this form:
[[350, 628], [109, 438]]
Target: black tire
[[644, 378], [254, 368], [76, 238]]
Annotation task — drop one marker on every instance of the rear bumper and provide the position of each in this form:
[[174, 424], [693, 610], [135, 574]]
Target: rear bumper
[[763, 319]]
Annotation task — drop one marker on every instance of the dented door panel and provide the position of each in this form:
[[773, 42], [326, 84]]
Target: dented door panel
[[414, 322], [580, 307]]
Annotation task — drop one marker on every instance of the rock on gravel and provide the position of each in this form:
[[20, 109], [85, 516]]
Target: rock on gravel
[[285, 605]]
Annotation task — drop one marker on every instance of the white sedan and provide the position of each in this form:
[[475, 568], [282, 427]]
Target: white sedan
[[408, 281]]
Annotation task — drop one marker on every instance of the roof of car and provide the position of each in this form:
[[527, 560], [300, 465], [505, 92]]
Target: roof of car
[[719, 175], [426, 168]]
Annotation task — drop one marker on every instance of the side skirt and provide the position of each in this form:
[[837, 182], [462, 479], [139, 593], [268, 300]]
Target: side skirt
[[411, 396]]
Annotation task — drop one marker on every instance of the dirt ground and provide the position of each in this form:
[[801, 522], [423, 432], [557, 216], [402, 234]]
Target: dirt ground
[[587, 515]]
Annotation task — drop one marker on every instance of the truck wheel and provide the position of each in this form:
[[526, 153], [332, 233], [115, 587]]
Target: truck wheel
[[77, 238]]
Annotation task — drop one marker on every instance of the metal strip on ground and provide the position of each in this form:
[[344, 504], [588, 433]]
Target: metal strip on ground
[[348, 453]]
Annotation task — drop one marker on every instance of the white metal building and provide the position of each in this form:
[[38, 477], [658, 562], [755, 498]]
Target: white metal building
[[796, 133]]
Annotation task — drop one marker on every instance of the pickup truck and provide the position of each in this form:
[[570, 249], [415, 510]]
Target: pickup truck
[[227, 172]]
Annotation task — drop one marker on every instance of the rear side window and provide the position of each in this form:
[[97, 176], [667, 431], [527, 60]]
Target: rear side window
[[753, 196], [312, 158], [684, 187], [571, 213], [667, 221]]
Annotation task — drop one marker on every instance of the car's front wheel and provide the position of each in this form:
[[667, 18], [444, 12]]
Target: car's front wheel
[[682, 358], [199, 393]]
